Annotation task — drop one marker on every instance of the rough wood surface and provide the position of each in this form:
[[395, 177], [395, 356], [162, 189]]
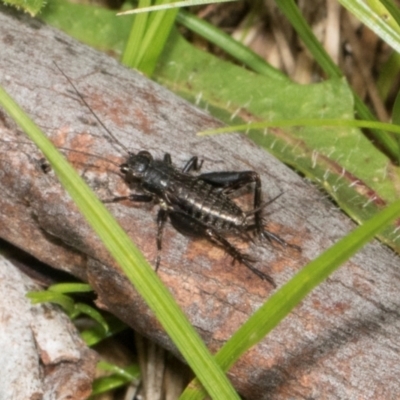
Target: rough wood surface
[[41, 352], [341, 342]]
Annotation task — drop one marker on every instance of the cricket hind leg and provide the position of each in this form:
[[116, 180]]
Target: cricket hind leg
[[229, 181], [263, 233], [272, 237], [189, 226]]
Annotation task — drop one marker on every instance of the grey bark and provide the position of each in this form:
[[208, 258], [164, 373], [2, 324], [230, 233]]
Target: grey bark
[[42, 355], [341, 342]]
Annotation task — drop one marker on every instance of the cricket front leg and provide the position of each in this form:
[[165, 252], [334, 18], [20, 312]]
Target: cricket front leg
[[192, 165], [161, 219], [140, 198]]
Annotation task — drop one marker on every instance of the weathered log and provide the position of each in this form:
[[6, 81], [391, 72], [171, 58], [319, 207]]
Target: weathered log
[[42, 354], [341, 342]]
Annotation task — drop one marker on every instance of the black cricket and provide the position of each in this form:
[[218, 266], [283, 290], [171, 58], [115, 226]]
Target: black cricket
[[197, 205]]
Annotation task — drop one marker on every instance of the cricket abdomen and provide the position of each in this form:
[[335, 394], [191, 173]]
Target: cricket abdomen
[[209, 205]]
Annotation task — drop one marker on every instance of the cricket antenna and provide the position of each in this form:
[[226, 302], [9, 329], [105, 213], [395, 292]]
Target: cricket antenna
[[90, 109]]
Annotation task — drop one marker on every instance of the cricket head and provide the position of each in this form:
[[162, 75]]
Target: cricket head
[[137, 165]]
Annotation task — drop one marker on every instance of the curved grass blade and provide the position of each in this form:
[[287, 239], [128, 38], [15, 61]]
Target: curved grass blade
[[132, 47], [378, 18], [96, 333], [147, 38], [70, 288], [66, 302], [91, 312], [119, 377], [168, 6], [350, 123]]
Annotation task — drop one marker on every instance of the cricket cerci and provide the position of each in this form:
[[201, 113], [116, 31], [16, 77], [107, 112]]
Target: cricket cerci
[[197, 204]]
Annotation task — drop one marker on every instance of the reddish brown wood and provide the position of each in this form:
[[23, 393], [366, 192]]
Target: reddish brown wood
[[340, 343]]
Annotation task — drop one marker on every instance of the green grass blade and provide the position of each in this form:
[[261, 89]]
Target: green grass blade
[[169, 6], [66, 302], [132, 47], [349, 123], [393, 9], [133, 263], [108, 383], [293, 14], [91, 312], [396, 111], [70, 288], [280, 304], [130, 373], [96, 333], [388, 74], [147, 38], [378, 18], [119, 377], [158, 30], [229, 45]]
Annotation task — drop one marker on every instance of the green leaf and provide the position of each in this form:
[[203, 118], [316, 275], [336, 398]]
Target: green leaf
[[31, 7], [90, 24]]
